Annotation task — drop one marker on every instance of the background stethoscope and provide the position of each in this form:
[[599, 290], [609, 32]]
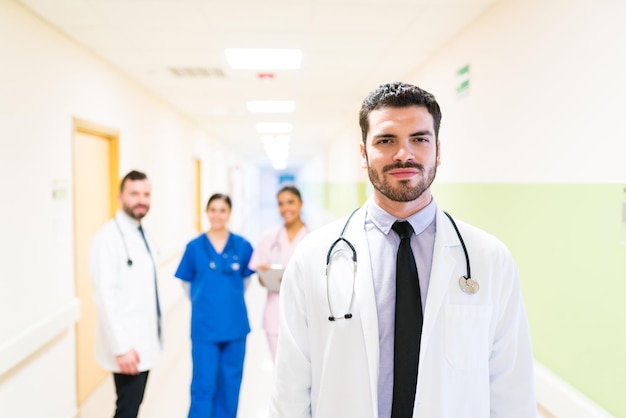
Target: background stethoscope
[[129, 261], [228, 264], [466, 283]]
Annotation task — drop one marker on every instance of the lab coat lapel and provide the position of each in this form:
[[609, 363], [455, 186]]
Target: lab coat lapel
[[441, 276], [365, 298]]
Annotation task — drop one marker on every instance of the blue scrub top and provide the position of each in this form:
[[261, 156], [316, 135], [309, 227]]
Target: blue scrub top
[[218, 308]]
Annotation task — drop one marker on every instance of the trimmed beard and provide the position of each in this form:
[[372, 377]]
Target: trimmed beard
[[136, 216], [403, 192]]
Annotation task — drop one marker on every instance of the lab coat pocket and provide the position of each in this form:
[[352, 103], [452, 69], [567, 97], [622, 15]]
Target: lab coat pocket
[[467, 335]]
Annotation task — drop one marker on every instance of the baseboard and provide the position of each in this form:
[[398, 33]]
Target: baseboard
[[561, 399], [29, 340], [74, 413]]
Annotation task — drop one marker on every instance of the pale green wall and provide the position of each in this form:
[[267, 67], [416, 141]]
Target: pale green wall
[[568, 242], [343, 197]]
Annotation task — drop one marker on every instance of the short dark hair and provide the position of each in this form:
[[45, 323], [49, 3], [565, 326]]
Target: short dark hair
[[217, 196], [398, 94], [291, 189], [132, 176]]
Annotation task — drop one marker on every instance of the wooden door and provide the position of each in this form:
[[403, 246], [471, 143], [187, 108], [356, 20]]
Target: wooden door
[[95, 187]]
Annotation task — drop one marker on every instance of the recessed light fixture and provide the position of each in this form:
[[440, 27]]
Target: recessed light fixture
[[277, 149], [263, 58], [271, 106], [274, 127]]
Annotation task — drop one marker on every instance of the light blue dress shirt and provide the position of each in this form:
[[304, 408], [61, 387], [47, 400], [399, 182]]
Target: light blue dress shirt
[[383, 246]]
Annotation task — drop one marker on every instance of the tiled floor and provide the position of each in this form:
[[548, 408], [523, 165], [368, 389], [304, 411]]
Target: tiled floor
[[167, 394]]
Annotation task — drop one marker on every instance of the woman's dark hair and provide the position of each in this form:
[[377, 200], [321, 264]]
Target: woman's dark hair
[[222, 196], [291, 189]]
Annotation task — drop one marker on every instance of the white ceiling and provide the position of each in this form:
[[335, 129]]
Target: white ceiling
[[349, 47]]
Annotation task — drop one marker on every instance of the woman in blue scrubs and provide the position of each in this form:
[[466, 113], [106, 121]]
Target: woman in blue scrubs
[[215, 264]]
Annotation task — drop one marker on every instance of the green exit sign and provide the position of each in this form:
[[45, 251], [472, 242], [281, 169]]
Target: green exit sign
[[463, 81]]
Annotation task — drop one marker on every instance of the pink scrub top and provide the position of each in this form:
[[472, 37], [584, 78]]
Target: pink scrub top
[[274, 248]]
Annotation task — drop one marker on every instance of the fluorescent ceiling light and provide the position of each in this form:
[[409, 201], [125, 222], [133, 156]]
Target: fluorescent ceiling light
[[263, 58], [282, 140], [271, 106], [273, 127], [277, 149]]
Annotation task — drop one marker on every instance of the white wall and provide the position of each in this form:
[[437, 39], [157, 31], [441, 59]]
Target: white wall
[[344, 159], [339, 163], [546, 94], [45, 81], [224, 172]]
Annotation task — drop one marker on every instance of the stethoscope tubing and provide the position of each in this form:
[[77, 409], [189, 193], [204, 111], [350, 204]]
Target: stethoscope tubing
[[467, 284], [341, 238], [467, 261], [129, 261]]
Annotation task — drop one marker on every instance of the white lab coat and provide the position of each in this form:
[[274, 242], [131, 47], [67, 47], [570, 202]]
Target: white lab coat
[[124, 295], [475, 357]]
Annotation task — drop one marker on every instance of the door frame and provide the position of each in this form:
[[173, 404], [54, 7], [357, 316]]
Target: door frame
[[111, 136]]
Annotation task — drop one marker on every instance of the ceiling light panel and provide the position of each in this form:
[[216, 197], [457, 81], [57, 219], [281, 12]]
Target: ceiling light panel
[[274, 127], [263, 58], [271, 106]]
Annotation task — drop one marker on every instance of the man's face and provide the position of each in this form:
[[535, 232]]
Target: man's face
[[401, 153], [135, 198]]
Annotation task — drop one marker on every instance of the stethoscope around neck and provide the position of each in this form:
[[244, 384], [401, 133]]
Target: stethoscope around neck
[[129, 261], [341, 238], [466, 283]]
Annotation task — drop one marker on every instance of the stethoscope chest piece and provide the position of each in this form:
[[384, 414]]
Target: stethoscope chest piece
[[469, 286]]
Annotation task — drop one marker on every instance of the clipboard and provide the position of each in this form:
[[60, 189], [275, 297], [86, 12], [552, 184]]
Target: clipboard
[[271, 278]]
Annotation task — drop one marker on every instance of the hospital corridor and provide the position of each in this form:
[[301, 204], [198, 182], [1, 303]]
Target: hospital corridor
[[460, 164]]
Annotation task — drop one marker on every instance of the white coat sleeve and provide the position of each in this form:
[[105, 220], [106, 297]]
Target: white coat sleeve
[[511, 362], [291, 395], [104, 268]]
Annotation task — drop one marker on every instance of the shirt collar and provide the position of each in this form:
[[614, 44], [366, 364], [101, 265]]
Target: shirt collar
[[126, 221], [383, 220]]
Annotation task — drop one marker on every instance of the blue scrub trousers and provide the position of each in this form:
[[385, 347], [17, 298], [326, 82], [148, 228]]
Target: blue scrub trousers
[[217, 374]]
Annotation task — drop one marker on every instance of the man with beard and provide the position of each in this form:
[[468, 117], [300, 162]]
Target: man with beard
[[379, 316], [123, 274]]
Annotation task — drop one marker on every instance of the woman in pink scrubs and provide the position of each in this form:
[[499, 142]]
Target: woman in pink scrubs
[[276, 247]]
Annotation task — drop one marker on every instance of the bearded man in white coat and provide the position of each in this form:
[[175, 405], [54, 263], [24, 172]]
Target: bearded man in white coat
[[338, 353], [123, 272]]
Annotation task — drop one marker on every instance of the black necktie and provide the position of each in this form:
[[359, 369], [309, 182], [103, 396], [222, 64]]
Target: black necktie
[[156, 289], [408, 326]]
